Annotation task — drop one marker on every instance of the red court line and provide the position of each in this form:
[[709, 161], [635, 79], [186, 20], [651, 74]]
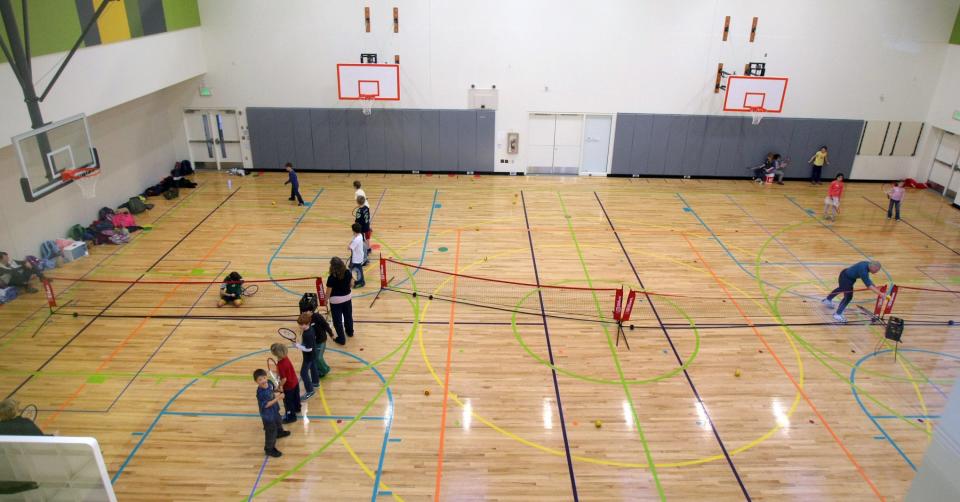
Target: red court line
[[796, 385], [136, 330], [446, 375]]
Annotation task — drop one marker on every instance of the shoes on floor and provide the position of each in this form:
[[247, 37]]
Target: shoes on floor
[[839, 318], [828, 303], [289, 420], [340, 341], [283, 434], [273, 453], [308, 395]]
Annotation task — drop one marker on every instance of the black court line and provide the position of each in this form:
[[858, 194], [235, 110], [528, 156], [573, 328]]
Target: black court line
[[676, 354], [553, 371], [120, 295], [934, 239]]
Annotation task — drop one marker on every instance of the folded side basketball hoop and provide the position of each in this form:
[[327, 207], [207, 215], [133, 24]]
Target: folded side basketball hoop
[[86, 177]]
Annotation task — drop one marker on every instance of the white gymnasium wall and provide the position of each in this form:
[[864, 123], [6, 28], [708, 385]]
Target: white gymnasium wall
[[138, 143], [946, 98], [859, 59], [101, 77]]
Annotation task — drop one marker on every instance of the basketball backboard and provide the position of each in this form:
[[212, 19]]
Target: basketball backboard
[[46, 152], [755, 94], [53, 468], [380, 82]]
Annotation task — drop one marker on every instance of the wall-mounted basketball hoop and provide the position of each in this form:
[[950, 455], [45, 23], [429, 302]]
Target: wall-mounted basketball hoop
[[755, 95], [86, 177]]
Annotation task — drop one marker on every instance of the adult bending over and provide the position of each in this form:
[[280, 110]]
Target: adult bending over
[[846, 280]]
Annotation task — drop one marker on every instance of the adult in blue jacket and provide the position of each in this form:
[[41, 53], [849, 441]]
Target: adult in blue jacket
[[846, 280]]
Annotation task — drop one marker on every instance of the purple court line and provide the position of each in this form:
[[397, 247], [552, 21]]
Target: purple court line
[[676, 354], [553, 371], [259, 475], [128, 288], [954, 251]]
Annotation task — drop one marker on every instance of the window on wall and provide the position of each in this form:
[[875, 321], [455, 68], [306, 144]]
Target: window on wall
[[898, 139]]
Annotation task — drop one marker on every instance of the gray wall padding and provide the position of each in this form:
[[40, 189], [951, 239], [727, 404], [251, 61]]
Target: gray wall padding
[[708, 145], [323, 139]]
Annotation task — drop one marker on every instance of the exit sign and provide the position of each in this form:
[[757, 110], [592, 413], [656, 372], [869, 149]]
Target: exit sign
[[956, 115], [206, 92]]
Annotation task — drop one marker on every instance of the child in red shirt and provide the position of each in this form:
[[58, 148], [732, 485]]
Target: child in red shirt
[[831, 204], [288, 382]]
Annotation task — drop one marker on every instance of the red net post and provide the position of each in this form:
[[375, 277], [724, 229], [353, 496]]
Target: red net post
[[51, 298], [628, 309], [618, 304], [893, 298], [321, 295], [878, 307], [383, 273]]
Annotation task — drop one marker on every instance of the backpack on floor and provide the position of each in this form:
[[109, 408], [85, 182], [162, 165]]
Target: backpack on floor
[[76, 232], [7, 295], [136, 206], [47, 264], [105, 214], [49, 250], [171, 193], [308, 303]]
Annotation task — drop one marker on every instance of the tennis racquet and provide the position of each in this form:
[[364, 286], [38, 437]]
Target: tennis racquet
[[251, 290], [288, 334], [29, 412], [274, 372], [885, 188]]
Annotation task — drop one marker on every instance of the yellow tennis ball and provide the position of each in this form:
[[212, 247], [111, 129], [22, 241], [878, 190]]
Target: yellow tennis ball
[[736, 373], [274, 203], [598, 424], [426, 393]]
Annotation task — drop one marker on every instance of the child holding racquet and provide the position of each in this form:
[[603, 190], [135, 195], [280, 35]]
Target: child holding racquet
[[231, 291], [12, 423], [322, 331], [288, 382], [268, 401], [357, 254], [362, 218], [895, 195], [307, 346], [831, 204]]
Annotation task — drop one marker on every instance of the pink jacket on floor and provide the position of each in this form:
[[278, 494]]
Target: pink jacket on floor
[[124, 220]]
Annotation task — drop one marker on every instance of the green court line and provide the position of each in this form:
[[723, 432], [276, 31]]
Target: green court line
[[598, 380], [613, 352], [774, 307]]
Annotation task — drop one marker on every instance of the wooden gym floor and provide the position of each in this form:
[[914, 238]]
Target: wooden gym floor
[[439, 400]]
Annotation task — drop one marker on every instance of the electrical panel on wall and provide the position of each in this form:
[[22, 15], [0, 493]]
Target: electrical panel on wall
[[482, 99]]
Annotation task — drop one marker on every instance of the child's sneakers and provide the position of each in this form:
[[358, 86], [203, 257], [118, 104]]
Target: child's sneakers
[[289, 419], [839, 318], [827, 303], [273, 453], [283, 434], [308, 395]]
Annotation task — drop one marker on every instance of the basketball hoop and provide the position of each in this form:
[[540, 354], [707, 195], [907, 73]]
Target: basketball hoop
[[366, 103], [86, 177], [756, 115]]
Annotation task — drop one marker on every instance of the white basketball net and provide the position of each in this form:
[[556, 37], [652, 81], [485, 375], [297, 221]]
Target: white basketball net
[[756, 115], [366, 104], [87, 179]]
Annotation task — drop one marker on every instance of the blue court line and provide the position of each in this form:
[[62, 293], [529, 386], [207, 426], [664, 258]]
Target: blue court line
[[385, 493], [257, 415], [873, 418], [166, 407], [394, 440], [136, 433], [924, 417], [286, 238], [811, 214], [259, 475], [688, 208]]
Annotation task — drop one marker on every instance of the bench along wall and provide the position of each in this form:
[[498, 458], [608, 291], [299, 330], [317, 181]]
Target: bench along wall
[[340, 139], [709, 145]]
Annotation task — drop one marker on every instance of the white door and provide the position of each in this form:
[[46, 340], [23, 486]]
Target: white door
[[596, 144], [542, 128], [567, 142], [213, 136]]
